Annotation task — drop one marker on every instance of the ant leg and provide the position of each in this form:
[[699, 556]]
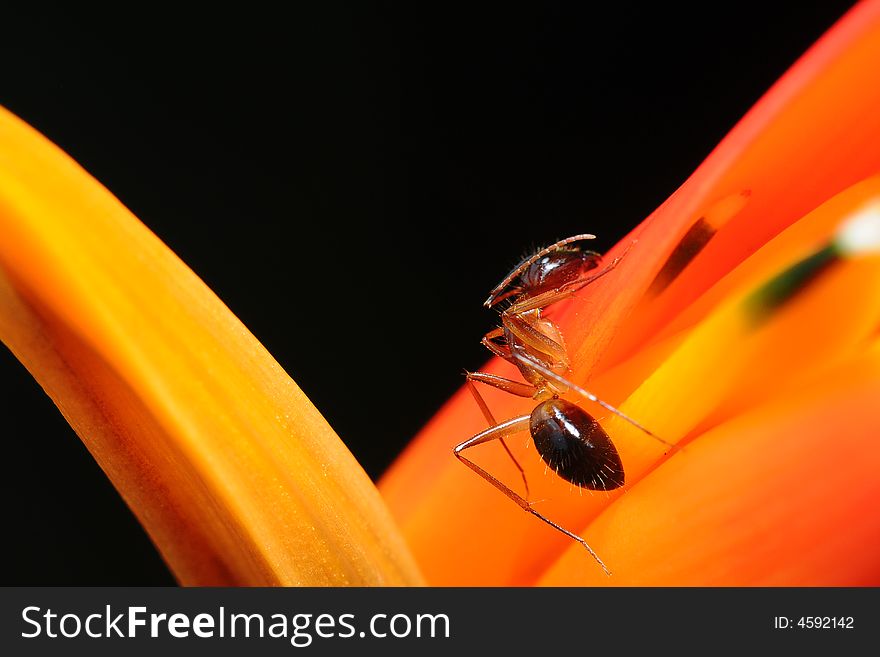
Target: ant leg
[[497, 349], [471, 377], [500, 431], [550, 374], [503, 351], [507, 385]]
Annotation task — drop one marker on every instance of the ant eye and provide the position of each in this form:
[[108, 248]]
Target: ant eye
[[575, 446]]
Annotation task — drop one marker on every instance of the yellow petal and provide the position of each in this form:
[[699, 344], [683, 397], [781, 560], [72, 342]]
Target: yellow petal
[[234, 474]]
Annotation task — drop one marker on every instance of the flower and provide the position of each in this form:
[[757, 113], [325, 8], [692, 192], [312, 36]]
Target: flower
[[234, 474], [741, 323]]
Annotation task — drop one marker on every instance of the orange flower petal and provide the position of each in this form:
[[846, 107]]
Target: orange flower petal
[[233, 473]]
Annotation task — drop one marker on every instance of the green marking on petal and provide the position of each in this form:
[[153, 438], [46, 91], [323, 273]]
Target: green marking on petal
[[782, 288]]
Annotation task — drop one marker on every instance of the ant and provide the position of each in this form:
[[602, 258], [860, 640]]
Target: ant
[[568, 439]]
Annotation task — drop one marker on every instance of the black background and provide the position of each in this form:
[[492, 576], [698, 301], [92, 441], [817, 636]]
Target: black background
[[357, 177]]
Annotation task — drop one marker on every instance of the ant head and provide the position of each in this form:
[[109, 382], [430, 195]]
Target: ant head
[[575, 446], [550, 268], [556, 269]]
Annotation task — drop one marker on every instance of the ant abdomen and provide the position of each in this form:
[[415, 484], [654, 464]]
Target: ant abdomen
[[575, 446]]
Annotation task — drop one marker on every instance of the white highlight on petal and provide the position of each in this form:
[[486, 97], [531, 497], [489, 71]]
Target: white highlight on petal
[[861, 232]]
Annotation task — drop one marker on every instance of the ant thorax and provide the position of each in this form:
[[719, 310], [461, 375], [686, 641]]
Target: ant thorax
[[543, 341]]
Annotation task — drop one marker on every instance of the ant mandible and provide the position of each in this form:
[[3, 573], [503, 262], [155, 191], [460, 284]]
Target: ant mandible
[[568, 439]]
